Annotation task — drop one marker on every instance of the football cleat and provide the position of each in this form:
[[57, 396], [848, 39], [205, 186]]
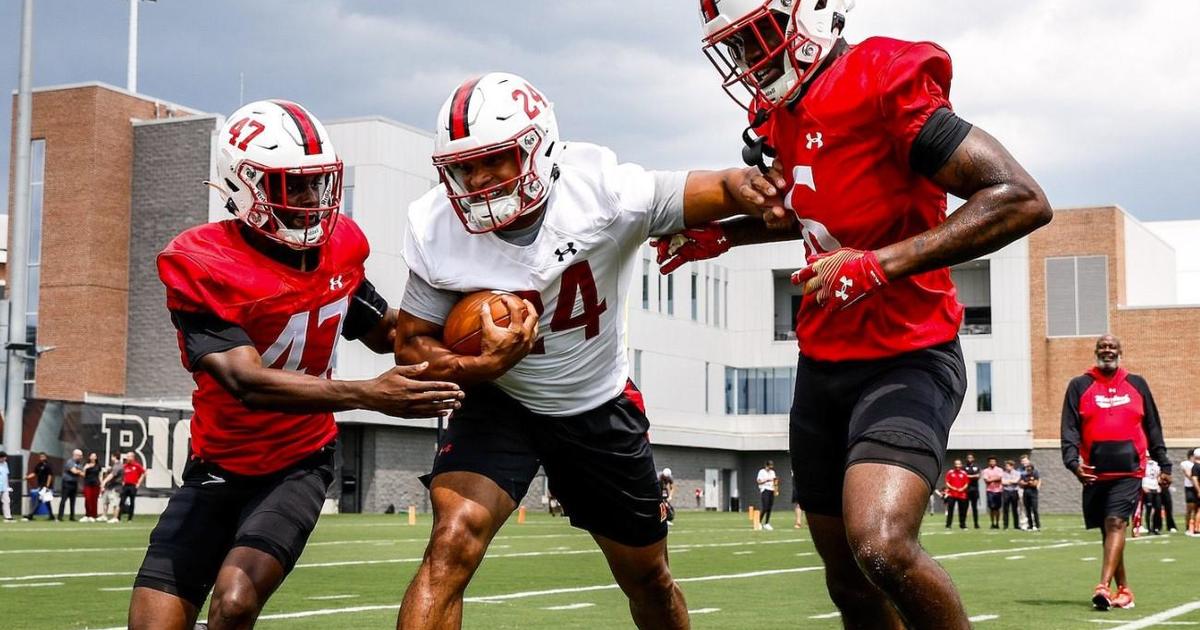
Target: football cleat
[[1102, 598], [1124, 598]]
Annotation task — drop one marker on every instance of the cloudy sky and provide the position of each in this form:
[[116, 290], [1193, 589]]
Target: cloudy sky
[[1099, 99]]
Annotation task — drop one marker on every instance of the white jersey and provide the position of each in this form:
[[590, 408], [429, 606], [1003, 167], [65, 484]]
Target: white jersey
[[765, 479], [576, 272], [1186, 466]]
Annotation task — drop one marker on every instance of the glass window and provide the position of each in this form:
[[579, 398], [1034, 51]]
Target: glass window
[[660, 293], [983, 386], [348, 192], [695, 296], [637, 367], [973, 281], [705, 384], [645, 284], [725, 312], [716, 295], [757, 391], [671, 294], [37, 149]]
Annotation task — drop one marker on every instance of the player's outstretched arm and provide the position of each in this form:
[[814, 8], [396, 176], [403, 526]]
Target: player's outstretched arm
[[750, 204], [395, 392], [418, 340], [1003, 204]]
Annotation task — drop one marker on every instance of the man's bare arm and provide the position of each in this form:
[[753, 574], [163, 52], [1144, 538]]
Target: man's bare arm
[[1003, 204]]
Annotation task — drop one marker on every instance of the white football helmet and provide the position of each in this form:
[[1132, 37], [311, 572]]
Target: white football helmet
[[486, 116], [279, 173], [787, 41]]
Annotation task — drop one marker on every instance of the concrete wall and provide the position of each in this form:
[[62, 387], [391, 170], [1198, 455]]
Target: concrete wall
[[1182, 236], [170, 164]]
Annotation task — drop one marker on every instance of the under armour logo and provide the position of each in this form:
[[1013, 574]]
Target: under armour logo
[[562, 255], [814, 139], [335, 283], [212, 479], [841, 293]]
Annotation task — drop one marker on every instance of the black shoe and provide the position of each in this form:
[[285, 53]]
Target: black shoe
[[976, 525]]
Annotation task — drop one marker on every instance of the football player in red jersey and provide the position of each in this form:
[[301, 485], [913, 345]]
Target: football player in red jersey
[[866, 147], [259, 302]]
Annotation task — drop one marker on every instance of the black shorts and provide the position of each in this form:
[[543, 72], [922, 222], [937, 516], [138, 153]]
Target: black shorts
[[994, 500], [895, 411], [217, 510], [1189, 495], [598, 463], [1118, 497]]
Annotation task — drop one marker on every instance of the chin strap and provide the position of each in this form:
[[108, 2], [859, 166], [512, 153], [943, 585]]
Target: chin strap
[[756, 146]]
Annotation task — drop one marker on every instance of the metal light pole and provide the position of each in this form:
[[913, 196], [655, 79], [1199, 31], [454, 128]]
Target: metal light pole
[[131, 70], [18, 244]]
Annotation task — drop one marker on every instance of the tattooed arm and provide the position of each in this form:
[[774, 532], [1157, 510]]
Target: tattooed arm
[[1003, 204]]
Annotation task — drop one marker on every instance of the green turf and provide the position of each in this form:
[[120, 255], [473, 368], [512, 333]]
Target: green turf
[[1039, 580]]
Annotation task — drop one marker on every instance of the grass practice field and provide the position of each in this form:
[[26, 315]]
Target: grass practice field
[[545, 574]]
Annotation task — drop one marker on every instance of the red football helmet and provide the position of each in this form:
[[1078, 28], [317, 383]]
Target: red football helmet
[[770, 48], [278, 172]]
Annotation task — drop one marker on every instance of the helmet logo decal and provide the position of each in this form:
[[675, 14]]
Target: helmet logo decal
[[530, 99], [236, 130], [458, 110], [308, 131]]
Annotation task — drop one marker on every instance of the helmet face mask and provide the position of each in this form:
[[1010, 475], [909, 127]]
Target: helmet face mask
[[279, 174], [499, 124], [765, 51]]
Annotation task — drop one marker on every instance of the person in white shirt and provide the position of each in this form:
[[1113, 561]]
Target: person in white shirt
[[1189, 488], [768, 485], [560, 227], [1151, 501]]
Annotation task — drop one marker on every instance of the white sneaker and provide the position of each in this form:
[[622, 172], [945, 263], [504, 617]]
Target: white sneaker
[[767, 526], [112, 520]]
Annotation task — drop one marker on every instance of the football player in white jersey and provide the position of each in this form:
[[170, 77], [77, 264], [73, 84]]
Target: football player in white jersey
[[560, 225]]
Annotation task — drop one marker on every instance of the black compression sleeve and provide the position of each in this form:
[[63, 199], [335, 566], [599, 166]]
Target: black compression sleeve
[[366, 310], [936, 142], [204, 333]]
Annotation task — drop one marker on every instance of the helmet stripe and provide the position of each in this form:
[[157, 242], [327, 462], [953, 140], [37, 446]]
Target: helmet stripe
[[459, 106], [708, 8], [308, 131]]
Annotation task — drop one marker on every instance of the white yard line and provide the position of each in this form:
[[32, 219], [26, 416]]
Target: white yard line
[[324, 597], [32, 585], [978, 618], [833, 615], [570, 606], [703, 611], [1166, 615]]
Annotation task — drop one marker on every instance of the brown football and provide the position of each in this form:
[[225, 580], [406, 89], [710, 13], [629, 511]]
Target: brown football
[[464, 325]]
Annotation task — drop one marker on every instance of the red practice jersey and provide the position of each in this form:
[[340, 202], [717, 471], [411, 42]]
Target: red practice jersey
[[844, 150], [1109, 423], [293, 318], [957, 479]]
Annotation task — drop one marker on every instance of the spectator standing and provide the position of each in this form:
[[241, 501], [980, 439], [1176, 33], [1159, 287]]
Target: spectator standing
[[666, 483], [699, 496], [134, 475], [1031, 482], [111, 489], [1109, 424], [993, 477], [1151, 501], [1022, 462], [72, 475], [766, 492], [41, 480], [973, 476], [1168, 505], [956, 494], [796, 504], [1189, 489], [5, 491], [1011, 482], [91, 488]]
